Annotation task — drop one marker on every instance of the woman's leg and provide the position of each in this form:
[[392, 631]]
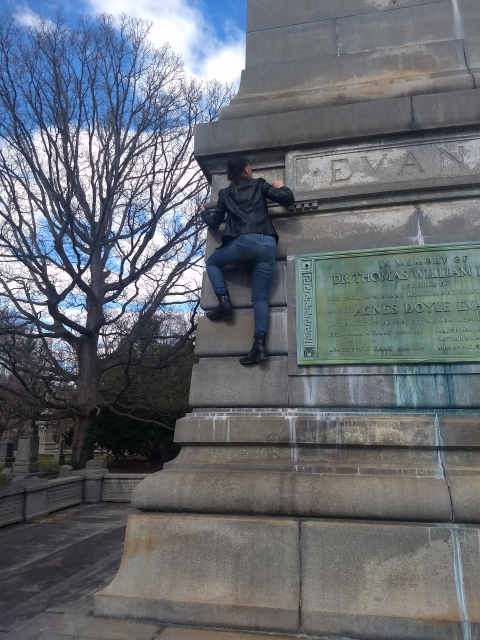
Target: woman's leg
[[235, 252], [263, 269]]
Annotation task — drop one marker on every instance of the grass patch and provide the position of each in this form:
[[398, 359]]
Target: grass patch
[[47, 461]]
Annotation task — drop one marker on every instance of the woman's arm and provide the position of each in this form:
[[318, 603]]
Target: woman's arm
[[279, 193], [215, 219]]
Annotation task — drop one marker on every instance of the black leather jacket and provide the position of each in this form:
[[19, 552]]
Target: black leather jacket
[[245, 205]]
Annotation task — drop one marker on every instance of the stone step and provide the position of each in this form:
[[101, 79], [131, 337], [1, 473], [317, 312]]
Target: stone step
[[84, 627], [104, 629]]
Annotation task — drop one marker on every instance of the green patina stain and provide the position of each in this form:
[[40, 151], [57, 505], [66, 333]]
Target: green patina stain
[[388, 306]]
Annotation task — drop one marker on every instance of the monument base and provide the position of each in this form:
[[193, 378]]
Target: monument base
[[358, 579]]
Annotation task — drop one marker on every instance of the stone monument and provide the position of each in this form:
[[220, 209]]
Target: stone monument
[[27, 455], [334, 489], [6, 453], [59, 455]]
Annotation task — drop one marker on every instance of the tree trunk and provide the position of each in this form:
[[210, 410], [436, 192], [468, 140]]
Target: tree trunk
[[87, 399], [80, 428], [32, 423]]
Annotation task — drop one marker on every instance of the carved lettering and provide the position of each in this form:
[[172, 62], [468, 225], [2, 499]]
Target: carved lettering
[[341, 171], [375, 169], [449, 156], [412, 163]]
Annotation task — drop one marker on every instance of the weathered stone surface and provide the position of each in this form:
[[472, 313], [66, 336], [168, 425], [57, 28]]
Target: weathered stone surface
[[92, 487], [458, 108], [410, 392], [388, 581], [295, 128], [192, 570], [292, 42], [355, 77], [234, 337], [226, 384], [65, 471], [430, 22], [36, 503], [118, 487], [400, 49], [211, 634], [384, 166], [472, 54], [324, 428], [270, 14], [462, 469], [11, 505], [27, 455], [239, 285], [63, 493], [376, 497]]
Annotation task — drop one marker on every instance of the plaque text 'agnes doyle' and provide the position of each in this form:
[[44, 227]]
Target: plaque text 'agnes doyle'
[[396, 305]]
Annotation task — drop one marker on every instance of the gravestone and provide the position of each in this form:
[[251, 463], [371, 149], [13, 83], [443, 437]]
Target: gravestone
[[27, 455], [65, 471], [59, 456], [333, 489], [6, 453]]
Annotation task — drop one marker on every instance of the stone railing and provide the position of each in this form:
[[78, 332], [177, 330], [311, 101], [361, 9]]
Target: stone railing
[[34, 497]]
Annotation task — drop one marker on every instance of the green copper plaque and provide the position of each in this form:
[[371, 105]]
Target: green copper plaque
[[387, 306]]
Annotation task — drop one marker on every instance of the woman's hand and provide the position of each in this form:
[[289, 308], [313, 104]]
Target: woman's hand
[[278, 184], [202, 208]]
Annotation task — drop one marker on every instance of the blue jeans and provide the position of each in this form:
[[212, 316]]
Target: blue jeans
[[260, 251]]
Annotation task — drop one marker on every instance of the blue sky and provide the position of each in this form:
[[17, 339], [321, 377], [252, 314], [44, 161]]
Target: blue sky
[[209, 34]]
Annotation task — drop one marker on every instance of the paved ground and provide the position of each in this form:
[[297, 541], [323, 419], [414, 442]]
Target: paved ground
[[50, 570], [56, 560]]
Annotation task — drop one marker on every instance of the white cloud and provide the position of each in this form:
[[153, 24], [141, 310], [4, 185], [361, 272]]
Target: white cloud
[[189, 33], [25, 15]]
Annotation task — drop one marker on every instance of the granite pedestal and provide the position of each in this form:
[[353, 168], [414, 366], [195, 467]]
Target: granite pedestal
[[329, 499]]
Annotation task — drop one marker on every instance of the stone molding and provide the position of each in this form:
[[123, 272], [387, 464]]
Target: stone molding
[[118, 487]]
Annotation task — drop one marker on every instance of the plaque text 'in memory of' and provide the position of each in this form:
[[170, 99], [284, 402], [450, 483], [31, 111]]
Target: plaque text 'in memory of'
[[394, 305]]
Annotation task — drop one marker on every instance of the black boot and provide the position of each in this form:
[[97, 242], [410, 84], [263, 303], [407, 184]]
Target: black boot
[[224, 309], [258, 351]]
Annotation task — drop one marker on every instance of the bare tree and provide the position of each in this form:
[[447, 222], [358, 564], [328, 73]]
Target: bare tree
[[98, 197]]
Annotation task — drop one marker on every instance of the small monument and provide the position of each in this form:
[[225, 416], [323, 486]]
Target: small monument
[[27, 455], [59, 456], [334, 489], [6, 453]]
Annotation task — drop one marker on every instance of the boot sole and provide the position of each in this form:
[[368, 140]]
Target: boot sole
[[249, 364]]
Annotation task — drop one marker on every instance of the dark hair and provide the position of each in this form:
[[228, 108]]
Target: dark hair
[[236, 163]]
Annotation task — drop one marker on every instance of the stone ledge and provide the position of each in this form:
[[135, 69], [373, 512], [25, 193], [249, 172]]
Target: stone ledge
[[292, 129], [228, 383], [371, 497], [233, 337]]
